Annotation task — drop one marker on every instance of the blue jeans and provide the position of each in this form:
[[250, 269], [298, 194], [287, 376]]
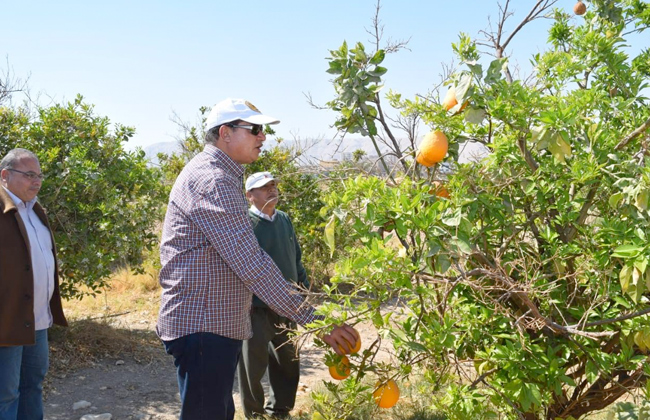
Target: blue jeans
[[22, 370], [205, 366]]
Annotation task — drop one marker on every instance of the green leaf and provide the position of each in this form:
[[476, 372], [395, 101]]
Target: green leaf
[[474, 115], [541, 137], [625, 277], [329, 234], [378, 57], [378, 71], [614, 199], [627, 251], [415, 346], [462, 245], [494, 71], [641, 264], [442, 263], [641, 199], [565, 144], [335, 67], [453, 219], [559, 148], [462, 88], [475, 68]]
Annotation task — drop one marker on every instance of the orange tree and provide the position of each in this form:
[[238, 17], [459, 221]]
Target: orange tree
[[527, 291], [102, 201]]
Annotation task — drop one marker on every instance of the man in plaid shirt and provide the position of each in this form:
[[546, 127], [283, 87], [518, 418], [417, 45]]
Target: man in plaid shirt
[[212, 265]]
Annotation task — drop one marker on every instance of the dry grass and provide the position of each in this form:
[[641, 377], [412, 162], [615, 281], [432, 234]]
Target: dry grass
[[117, 323]]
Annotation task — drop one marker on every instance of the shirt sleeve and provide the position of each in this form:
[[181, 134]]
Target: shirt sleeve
[[227, 227]]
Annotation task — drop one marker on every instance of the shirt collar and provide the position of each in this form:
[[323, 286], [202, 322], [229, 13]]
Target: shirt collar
[[236, 168], [20, 203], [259, 213]]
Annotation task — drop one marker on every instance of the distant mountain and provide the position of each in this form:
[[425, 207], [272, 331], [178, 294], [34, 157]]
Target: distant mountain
[[167, 147], [320, 150], [324, 150]]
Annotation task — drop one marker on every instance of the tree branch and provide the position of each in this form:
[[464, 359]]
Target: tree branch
[[636, 133]]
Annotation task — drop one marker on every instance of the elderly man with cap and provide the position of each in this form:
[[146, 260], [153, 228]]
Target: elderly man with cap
[[271, 346], [212, 265]]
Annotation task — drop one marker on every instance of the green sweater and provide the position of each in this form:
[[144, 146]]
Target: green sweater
[[278, 239]]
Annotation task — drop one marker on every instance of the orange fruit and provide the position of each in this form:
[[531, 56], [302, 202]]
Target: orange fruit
[[351, 349], [341, 369], [579, 8], [450, 100], [432, 149], [386, 394], [439, 190]]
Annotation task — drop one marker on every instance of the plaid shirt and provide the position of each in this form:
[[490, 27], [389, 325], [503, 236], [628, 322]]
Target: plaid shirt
[[211, 261]]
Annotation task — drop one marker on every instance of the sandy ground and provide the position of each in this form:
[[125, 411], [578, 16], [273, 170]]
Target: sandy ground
[[130, 389]]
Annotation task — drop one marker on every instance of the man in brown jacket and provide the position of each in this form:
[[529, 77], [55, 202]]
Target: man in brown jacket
[[29, 288]]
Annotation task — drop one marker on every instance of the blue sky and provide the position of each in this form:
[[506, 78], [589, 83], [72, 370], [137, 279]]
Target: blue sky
[[139, 62]]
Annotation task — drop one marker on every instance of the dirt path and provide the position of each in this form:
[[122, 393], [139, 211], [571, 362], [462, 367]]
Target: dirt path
[[128, 389]]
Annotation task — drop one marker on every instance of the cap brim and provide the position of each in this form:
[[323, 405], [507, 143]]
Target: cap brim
[[261, 183], [260, 119]]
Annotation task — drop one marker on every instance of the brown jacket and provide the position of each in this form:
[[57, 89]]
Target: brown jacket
[[16, 277]]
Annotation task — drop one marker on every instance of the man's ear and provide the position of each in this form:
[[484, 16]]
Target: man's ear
[[224, 133], [249, 196]]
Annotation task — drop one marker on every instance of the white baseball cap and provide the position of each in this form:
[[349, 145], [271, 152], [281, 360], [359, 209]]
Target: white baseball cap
[[259, 179], [236, 109]]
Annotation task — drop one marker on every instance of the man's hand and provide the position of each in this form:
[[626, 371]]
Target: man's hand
[[342, 337]]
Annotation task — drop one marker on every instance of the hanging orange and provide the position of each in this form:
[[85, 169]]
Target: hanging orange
[[341, 369], [439, 189], [432, 149], [386, 394], [351, 349], [450, 100]]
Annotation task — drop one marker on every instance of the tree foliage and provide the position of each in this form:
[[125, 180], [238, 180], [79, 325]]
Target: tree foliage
[[102, 201], [527, 291]]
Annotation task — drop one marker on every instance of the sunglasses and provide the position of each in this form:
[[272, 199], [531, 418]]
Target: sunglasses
[[255, 129]]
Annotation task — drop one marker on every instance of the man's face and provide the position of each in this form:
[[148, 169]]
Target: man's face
[[240, 144], [265, 198], [20, 183]]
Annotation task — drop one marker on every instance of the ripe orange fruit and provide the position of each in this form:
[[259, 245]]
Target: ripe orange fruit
[[579, 8], [341, 369], [439, 190], [351, 349], [450, 100], [386, 394], [432, 149]]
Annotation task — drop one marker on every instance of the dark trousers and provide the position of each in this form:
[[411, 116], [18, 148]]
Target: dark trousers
[[270, 348], [205, 365]]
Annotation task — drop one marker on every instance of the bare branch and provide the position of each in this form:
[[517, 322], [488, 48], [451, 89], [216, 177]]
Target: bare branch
[[10, 84]]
